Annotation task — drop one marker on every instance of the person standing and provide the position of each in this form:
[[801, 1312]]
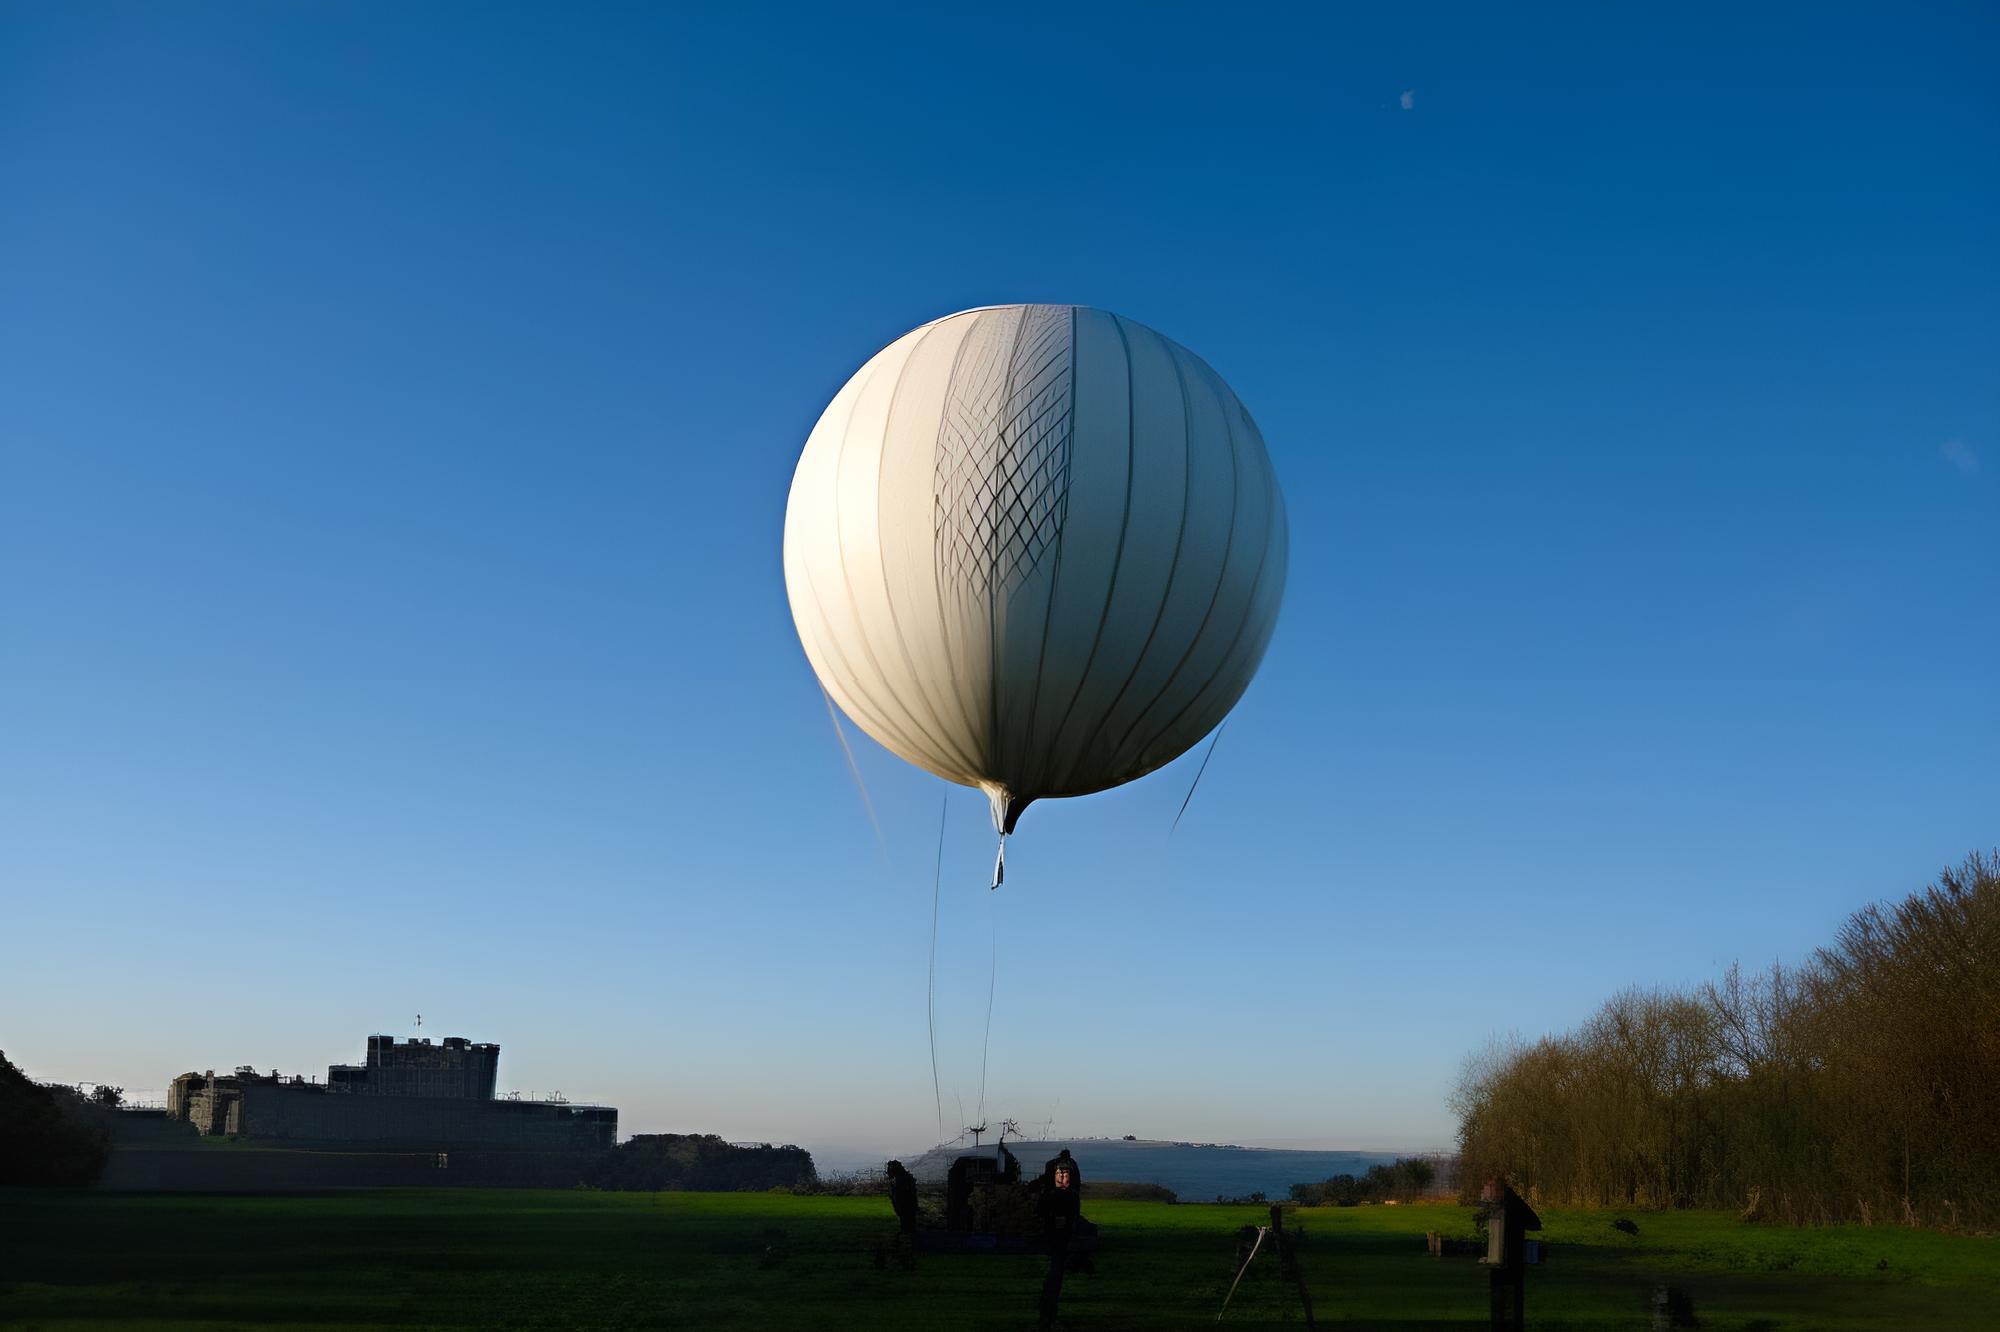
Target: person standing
[[1060, 1206], [903, 1198]]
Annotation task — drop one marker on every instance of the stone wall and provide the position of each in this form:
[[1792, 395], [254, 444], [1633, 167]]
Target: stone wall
[[284, 1112]]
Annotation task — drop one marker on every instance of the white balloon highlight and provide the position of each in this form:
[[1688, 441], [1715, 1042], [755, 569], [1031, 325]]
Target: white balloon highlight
[[1037, 549]]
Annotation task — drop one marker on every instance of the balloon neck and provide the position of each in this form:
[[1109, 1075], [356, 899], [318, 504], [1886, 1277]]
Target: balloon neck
[[1005, 805]]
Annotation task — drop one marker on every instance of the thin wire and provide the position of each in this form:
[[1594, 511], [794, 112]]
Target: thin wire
[[854, 769], [993, 971], [1197, 774], [930, 998]]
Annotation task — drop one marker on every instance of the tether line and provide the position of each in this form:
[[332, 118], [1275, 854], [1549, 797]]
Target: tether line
[[993, 971], [1261, 1232], [854, 770], [930, 996], [1197, 775]]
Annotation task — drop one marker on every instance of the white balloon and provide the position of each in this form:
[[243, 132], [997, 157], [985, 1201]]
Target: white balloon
[[1037, 549]]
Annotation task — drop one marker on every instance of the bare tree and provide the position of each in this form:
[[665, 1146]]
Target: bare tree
[[1858, 1085]]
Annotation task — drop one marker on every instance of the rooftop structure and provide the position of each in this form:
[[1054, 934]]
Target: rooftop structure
[[455, 1067]]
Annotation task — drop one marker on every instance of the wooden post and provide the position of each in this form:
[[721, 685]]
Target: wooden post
[[1289, 1261], [1508, 1219]]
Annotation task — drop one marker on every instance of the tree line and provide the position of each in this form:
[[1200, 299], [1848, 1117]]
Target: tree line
[[48, 1138], [699, 1162], [1404, 1180], [1862, 1085]]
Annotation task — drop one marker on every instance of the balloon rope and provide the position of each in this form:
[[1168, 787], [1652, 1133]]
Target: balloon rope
[[1197, 774], [930, 997], [1261, 1232], [993, 971], [855, 770]]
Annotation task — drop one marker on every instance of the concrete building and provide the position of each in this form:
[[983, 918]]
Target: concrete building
[[412, 1094]]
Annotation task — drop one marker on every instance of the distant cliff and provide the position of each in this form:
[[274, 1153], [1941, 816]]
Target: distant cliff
[[1194, 1171], [663, 1162]]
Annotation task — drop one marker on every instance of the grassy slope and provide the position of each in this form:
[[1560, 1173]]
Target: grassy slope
[[473, 1258]]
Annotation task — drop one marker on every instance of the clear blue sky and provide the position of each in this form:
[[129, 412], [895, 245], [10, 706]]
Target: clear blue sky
[[397, 405]]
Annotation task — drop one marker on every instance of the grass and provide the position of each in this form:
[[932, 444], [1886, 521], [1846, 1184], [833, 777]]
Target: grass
[[555, 1259]]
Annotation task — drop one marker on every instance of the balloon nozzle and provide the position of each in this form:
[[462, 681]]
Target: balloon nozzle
[[1006, 807]]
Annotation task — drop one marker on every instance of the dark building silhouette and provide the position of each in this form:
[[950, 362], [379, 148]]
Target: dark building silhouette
[[411, 1094], [453, 1067]]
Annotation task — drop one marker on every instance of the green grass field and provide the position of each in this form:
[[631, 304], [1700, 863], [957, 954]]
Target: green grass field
[[474, 1258]]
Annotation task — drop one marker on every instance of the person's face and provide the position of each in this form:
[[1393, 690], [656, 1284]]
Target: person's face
[[1062, 1177]]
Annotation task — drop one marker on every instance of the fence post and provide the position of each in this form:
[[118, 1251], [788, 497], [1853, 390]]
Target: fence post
[[1289, 1261]]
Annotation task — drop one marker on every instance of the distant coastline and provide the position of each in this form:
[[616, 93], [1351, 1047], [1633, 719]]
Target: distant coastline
[[1197, 1171]]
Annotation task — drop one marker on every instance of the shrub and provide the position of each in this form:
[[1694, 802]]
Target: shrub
[[45, 1139]]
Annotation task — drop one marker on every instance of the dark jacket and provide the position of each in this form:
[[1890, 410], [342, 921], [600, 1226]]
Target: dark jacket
[[903, 1196], [1060, 1207]]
